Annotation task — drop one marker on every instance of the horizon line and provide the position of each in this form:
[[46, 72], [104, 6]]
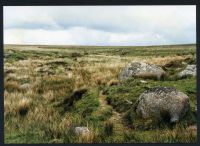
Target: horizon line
[[101, 45]]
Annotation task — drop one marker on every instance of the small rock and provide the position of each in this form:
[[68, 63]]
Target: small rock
[[163, 103], [142, 81], [81, 130], [184, 63], [190, 70], [25, 86]]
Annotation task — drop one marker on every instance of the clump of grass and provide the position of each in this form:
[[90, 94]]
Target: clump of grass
[[57, 62], [87, 138], [191, 59], [88, 104], [12, 86], [102, 114], [75, 54], [123, 52], [9, 71], [10, 77], [108, 129], [174, 63], [85, 53], [49, 96], [16, 56], [177, 135], [192, 130], [113, 82], [99, 82], [82, 76], [129, 117], [60, 85]]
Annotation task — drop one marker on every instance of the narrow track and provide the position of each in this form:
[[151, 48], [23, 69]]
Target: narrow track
[[116, 117]]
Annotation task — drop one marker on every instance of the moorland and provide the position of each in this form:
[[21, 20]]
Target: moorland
[[50, 90]]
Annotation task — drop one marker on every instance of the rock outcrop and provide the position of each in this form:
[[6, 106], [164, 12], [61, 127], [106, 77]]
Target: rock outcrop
[[142, 70], [163, 103], [190, 70]]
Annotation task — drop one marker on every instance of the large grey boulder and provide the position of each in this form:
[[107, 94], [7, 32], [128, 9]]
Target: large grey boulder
[[190, 70], [141, 69], [162, 103], [81, 131]]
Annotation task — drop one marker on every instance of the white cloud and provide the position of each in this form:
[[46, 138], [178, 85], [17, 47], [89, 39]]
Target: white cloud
[[100, 25], [80, 35]]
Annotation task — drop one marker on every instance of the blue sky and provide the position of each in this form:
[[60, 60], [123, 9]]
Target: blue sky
[[100, 25]]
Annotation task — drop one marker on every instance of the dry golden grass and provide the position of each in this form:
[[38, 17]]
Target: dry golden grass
[[87, 138], [12, 103], [12, 86], [113, 82], [192, 130], [178, 134], [162, 61], [36, 101], [49, 96]]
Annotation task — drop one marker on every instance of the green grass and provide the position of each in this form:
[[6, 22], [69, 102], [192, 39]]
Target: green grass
[[131, 89], [87, 105], [50, 120]]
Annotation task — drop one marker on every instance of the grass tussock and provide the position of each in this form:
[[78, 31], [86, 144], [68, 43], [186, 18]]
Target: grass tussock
[[108, 128], [59, 85], [12, 87], [113, 82]]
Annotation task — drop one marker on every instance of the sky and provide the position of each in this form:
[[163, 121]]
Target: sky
[[99, 25]]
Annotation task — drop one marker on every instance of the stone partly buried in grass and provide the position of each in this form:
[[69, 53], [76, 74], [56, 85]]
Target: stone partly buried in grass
[[190, 70], [163, 103], [81, 131], [25, 86], [142, 70]]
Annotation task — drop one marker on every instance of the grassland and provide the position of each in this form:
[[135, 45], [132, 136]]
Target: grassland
[[39, 82]]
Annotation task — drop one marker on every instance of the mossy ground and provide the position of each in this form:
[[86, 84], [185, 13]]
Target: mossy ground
[[53, 73]]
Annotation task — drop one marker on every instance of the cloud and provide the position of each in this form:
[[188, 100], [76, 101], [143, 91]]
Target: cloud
[[81, 36], [100, 25]]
